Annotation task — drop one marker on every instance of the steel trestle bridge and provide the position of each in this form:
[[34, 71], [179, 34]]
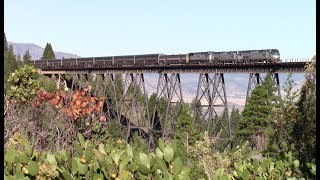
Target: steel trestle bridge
[[210, 100]]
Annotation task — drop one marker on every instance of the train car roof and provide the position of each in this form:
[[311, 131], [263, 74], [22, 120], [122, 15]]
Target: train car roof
[[218, 52], [259, 50]]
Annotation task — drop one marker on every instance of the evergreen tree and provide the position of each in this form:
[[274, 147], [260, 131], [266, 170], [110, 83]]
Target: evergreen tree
[[48, 52], [19, 60], [198, 111], [27, 57], [6, 67], [284, 118], [160, 110], [185, 124], [255, 124], [304, 130], [114, 95], [235, 117], [10, 63], [151, 104], [221, 129], [187, 132], [5, 43], [119, 84], [135, 90]]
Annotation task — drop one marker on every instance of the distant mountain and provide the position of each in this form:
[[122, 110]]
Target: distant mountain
[[36, 51]]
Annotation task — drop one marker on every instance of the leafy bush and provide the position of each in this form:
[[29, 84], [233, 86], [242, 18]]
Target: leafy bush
[[23, 83], [53, 120], [113, 160], [118, 160], [139, 142], [284, 167], [115, 130], [47, 83]]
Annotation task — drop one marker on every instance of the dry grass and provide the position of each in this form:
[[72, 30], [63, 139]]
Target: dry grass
[[47, 128]]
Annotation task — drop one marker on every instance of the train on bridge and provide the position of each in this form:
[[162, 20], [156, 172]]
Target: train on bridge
[[197, 58]]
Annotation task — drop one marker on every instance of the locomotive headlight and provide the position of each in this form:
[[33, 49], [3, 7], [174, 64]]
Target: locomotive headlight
[[276, 56]]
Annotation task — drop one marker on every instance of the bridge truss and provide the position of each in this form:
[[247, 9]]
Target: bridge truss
[[129, 104]]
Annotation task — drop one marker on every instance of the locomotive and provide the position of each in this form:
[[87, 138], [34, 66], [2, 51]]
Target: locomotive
[[197, 58], [248, 56]]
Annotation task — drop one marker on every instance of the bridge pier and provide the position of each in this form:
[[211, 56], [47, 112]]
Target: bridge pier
[[275, 78], [99, 81], [255, 79], [204, 92], [103, 88], [163, 119], [80, 81], [211, 106], [134, 105], [60, 80], [75, 84]]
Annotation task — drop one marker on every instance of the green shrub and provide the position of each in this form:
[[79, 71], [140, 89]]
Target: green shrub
[[118, 160], [105, 161], [23, 83], [47, 83]]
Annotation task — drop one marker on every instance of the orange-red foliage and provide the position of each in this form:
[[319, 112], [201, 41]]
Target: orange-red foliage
[[81, 104]]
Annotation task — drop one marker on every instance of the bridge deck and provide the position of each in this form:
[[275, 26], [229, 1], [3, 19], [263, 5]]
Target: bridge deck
[[283, 67]]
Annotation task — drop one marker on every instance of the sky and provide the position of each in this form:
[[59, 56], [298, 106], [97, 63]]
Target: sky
[[105, 27]]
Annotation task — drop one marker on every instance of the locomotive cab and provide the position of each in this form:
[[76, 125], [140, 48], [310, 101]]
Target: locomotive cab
[[275, 54]]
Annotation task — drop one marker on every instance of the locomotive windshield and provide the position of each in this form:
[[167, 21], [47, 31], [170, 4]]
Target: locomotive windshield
[[275, 51]]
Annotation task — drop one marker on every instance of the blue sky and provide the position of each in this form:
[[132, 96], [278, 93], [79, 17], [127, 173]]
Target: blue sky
[[101, 28]]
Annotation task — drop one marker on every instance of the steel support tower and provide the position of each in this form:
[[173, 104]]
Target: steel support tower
[[211, 107], [168, 91], [134, 105]]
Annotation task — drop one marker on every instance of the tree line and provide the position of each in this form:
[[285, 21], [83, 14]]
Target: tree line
[[13, 61], [273, 125]]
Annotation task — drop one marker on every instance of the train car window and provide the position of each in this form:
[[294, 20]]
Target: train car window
[[107, 58]]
